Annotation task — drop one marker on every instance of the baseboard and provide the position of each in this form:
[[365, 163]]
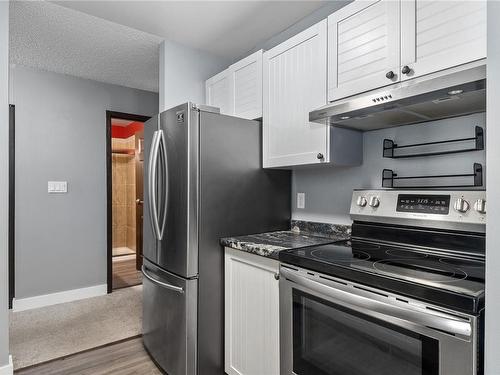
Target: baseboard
[[7, 369], [60, 297]]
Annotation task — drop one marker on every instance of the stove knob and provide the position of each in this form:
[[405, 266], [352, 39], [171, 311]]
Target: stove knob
[[480, 206], [361, 202], [374, 202], [461, 205]]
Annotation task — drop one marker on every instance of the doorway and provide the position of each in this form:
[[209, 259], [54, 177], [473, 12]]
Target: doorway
[[125, 160]]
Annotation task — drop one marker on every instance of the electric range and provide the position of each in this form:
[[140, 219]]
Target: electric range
[[407, 290]]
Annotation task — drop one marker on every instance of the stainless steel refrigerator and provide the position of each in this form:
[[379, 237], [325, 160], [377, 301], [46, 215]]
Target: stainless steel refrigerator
[[203, 181]]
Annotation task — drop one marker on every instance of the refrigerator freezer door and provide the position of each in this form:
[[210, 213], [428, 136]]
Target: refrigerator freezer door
[[178, 197], [169, 320], [149, 232]]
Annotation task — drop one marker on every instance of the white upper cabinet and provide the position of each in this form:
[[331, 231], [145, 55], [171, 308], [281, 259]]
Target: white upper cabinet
[[217, 92], [437, 35], [363, 47], [294, 84], [237, 91], [245, 80]]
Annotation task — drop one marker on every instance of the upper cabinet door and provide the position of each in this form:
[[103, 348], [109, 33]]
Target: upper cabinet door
[[295, 84], [246, 87], [363, 47], [217, 92], [437, 35]]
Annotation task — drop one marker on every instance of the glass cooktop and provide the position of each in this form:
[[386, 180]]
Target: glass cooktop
[[444, 280]]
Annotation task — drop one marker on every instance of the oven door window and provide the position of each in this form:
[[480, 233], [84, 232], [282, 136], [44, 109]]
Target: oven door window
[[331, 340]]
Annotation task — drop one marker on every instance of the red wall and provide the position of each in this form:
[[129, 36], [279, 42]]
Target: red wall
[[126, 131]]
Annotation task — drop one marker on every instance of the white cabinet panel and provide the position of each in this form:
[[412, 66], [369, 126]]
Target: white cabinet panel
[[217, 92], [437, 35], [251, 314], [363, 47], [294, 84], [246, 86]]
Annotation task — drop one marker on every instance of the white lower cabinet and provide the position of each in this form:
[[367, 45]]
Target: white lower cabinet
[[251, 314]]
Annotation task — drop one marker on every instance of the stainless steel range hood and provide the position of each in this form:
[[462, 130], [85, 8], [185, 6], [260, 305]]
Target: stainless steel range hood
[[432, 97]]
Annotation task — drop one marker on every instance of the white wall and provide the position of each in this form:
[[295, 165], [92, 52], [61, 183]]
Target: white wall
[[493, 194], [329, 189], [183, 72], [61, 135], [4, 182]]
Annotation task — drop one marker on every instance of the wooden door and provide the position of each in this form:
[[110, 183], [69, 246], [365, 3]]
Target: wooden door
[[363, 47], [437, 35], [295, 84]]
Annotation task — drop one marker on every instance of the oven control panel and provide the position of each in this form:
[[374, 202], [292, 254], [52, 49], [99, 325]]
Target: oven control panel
[[428, 204], [457, 210]]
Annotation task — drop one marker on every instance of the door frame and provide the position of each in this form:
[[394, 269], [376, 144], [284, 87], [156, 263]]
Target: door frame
[[109, 188], [12, 202]]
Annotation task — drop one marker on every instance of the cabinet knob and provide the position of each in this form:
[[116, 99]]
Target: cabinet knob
[[406, 69], [276, 276], [390, 74], [320, 156]]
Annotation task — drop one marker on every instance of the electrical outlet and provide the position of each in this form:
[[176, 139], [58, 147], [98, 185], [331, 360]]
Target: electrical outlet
[[301, 200]]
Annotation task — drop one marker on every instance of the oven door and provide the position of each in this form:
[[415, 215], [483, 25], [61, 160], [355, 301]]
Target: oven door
[[332, 327]]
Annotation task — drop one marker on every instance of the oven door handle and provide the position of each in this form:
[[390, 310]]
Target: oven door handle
[[381, 310]]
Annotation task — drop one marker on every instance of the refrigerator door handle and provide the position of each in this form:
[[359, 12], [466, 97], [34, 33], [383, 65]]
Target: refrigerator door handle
[[163, 154], [175, 288], [152, 191]]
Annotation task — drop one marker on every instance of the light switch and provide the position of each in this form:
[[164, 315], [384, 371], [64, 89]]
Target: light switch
[[301, 200], [57, 187]]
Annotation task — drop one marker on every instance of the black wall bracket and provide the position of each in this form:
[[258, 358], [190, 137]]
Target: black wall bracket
[[389, 178]]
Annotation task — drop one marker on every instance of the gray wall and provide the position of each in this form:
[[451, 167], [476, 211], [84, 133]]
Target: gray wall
[[60, 135], [4, 180], [183, 72], [493, 194], [329, 189]]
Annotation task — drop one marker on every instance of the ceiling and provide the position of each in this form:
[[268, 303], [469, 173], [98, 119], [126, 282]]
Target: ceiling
[[117, 41], [224, 28], [50, 37]]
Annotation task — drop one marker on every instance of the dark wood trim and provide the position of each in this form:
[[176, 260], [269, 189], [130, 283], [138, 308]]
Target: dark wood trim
[[12, 202], [109, 188]]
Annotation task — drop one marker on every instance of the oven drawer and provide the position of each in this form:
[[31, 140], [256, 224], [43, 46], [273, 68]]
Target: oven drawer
[[333, 327]]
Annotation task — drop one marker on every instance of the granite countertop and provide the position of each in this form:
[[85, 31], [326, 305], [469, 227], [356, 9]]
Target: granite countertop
[[302, 234]]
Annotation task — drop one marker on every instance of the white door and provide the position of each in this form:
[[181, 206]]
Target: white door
[[294, 84], [363, 47], [437, 35], [217, 92], [251, 314], [246, 87]]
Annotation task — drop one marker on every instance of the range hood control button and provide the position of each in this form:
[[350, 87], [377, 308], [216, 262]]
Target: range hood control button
[[461, 205], [361, 201], [374, 202], [480, 206]]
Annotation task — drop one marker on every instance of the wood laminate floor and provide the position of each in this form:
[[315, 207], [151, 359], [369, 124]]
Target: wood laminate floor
[[123, 358], [124, 272]]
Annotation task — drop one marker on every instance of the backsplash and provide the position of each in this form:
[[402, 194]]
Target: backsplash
[[328, 190], [334, 231]]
